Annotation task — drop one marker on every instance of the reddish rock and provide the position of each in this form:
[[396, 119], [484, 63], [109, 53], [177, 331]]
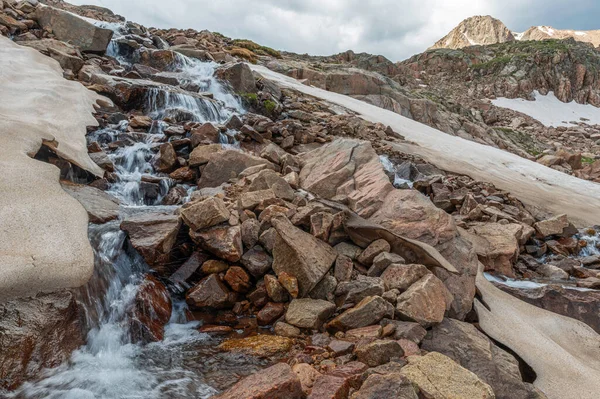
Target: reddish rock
[[378, 352], [184, 174], [369, 332], [238, 279], [307, 375], [212, 266], [275, 290], [203, 214], [425, 301], [290, 283], [270, 313], [351, 372], [368, 311], [375, 248], [210, 292], [166, 158], [339, 347], [275, 382], [257, 261], [401, 277], [152, 311], [216, 330], [205, 134], [223, 241], [330, 387]]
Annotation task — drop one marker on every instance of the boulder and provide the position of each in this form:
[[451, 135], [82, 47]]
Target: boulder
[[286, 330], [354, 291], [237, 279], [275, 382], [269, 179], [257, 261], [401, 277], [239, 76], [250, 200], [470, 348], [330, 387], [100, 206], [210, 292], [250, 232], [378, 352], [307, 375], [166, 159], [558, 225], [228, 165], [202, 154], [393, 385], [151, 312], [223, 241], [152, 235], [425, 301], [439, 377], [70, 28], [274, 289], [309, 313], [405, 330], [367, 312], [270, 313], [300, 255], [204, 214], [373, 250], [497, 245], [382, 261], [343, 268], [36, 334]]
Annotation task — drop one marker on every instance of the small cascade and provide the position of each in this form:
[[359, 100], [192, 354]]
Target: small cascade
[[592, 240], [389, 167], [111, 365]]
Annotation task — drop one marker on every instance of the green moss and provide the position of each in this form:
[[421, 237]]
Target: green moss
[[521, 140], [270, 106], [256, 48], [586, 160], [493, 63], [249, 98]]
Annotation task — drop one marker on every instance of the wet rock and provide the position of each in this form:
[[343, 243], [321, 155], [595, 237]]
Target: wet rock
[[309, 313], [275, 382], [250, 232], [261, 345], [375, 248], [213, 266], [274, 289], [189, 267], [101, 159], [558, 225], [300, 255], [207, 133], [100, 206], [70, 28], [210, 292], [36, 334], [437, 376], [152, 235], [270, 313], [307, 375], [166, 158], [152, 311], [552, 272], [257, 261], [204, 214], [401, 277], [354, 291], [239, 76], [228, 165], [378, 352], [183, 174], [223, 241], [379, 386], [470, 348], [368, 311], [330, 387], [238, 279], [425, 301]]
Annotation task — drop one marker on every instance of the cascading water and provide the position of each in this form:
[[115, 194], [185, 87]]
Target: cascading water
[[185, 363]]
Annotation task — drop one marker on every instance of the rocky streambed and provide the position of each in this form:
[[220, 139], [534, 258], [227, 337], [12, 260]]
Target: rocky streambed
[[251, 241]]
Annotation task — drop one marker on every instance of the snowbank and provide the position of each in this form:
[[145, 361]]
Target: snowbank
[[43, 230], [550, 111]]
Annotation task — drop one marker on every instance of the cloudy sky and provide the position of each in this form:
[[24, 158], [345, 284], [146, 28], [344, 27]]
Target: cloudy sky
[[394, 28]]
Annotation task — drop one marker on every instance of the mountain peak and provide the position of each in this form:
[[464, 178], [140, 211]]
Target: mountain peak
[[476, 30]]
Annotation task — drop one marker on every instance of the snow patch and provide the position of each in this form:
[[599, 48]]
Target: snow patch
[[550, 111], [518, 35], [578, 33], [547, 30]]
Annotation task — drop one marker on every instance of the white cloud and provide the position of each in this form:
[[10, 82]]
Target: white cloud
[[394, 28]]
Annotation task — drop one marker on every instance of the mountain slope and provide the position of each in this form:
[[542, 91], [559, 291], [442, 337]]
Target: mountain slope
[[548, 32], [477, 30]]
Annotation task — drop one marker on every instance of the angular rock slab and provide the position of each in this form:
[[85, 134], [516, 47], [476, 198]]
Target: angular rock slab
[[100, 206], [300, 255], [275, 382]]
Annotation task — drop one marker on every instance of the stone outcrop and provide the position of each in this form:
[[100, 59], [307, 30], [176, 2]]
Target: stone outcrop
[[38, 333], [478, 30]]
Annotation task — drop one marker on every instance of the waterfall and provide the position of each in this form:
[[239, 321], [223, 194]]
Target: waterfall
[[111, 365]]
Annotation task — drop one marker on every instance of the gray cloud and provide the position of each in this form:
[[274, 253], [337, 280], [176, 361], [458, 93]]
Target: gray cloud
[[394, 28]]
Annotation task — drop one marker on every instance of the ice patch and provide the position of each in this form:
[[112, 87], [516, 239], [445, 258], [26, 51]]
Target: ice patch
[[550, 111]]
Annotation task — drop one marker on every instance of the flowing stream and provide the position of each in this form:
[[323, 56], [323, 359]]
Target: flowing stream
[[186, 363]]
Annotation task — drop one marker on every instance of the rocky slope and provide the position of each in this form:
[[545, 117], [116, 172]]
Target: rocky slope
[[296, 231], [548, 32], [476, 31]]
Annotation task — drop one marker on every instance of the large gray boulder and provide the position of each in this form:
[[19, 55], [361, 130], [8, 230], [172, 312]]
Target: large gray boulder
[[464, 344], [70, 28]]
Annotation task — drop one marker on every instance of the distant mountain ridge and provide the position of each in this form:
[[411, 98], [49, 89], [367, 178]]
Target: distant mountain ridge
[[485, 30]]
